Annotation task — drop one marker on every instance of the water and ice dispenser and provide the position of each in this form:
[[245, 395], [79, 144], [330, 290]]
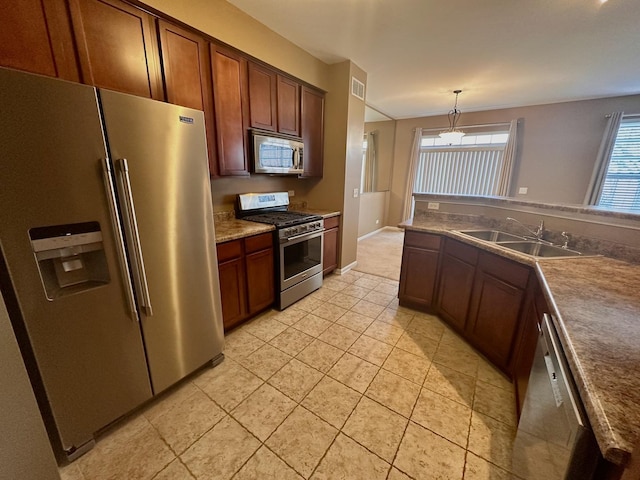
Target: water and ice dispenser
[[70, 258]]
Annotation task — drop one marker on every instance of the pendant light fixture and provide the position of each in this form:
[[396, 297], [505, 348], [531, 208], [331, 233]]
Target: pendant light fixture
[[453, 136]]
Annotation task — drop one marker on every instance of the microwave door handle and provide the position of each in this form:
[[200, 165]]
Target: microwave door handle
[[296, 155]]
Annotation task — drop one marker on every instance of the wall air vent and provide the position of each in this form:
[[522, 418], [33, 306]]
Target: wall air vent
[[357, 88]]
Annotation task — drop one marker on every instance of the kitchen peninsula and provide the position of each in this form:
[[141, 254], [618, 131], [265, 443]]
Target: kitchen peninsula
[[593, 300]]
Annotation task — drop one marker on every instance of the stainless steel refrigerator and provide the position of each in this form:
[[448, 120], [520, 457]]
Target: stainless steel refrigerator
[[108, 247]]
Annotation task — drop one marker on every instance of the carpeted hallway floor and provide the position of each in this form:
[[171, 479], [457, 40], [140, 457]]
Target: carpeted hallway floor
[[381, 254]]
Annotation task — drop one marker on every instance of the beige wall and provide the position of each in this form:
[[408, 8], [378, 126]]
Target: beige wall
[[386, 141], [559, 144], [373, 208], [353, 171], [343, 128]]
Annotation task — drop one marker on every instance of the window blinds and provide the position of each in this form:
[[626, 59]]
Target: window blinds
[[474, 171], [621, 188]]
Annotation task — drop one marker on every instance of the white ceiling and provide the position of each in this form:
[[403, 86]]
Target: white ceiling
[[501, 53]]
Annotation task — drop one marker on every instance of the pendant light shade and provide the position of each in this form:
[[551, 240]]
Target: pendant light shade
[[453, 136]]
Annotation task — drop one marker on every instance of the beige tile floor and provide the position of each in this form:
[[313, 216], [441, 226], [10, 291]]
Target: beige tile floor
[[345, 384]]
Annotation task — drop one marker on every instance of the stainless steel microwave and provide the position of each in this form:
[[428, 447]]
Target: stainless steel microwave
[[276, 155]]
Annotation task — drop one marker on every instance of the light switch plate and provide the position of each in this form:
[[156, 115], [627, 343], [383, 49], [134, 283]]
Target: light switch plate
[[355, 193]]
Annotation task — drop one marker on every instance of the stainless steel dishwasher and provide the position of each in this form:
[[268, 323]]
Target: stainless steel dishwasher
[[554, 440]]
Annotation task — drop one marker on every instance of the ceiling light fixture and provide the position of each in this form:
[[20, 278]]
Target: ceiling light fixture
[[452, 135]]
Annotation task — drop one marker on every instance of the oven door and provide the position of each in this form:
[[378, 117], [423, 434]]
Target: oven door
[[300, 258]]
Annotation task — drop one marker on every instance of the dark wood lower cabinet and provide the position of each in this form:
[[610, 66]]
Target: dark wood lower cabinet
[[496, 305], [245, 269], [260, 274], [331, 244], [419, 270], [456, 282], [480, 294], [233, 292]]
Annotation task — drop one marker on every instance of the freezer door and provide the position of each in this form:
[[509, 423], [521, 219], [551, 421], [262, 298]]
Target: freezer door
[[160, 158], [86, 342]]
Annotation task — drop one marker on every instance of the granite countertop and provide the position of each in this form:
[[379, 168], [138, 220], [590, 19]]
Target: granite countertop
[[315, 211], [596, 308], [233, 229]]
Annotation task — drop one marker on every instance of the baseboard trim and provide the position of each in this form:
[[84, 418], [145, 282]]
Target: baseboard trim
[[343, 270], [370, 234]]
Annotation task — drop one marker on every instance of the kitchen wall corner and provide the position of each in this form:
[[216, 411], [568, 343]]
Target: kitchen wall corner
[[343, 132]]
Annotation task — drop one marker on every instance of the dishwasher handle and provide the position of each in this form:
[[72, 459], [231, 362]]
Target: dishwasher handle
[[553, 380]]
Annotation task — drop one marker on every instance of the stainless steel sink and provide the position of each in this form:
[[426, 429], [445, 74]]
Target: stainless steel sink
[[491, 235], [538, 249]]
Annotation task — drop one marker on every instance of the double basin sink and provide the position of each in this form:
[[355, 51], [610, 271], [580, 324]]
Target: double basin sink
[[521, 244]]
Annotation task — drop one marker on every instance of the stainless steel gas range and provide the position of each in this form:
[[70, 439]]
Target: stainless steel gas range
[[299, 237]]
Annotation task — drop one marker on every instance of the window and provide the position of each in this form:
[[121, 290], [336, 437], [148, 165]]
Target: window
[[621, 186], [472, 168]]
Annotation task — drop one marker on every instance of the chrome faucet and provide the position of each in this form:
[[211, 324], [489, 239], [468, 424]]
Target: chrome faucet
[[537, 234]]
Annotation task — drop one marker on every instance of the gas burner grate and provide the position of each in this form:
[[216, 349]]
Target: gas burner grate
[[282, 219]]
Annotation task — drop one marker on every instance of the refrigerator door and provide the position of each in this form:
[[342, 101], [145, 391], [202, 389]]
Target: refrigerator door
[[72, 299], [160, 158], [25, 451]]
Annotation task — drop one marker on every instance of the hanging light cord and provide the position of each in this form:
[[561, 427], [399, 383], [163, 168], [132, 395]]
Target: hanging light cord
[[454, 114]]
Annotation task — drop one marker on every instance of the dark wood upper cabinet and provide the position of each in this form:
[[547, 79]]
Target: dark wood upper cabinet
[[36, 36], [274, 101], [117, 47], [311, 125], [262, 97], [187, 77], [288, 106], [230, 106]]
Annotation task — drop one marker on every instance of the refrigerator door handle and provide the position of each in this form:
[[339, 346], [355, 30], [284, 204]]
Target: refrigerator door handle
[[135, 236], [115, 220]]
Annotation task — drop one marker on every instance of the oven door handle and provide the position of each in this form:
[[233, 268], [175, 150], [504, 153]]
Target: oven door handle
[[313, 234]]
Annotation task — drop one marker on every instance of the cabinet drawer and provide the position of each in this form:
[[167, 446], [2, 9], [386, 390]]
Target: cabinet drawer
[[505, 270], [258, 242], [466, 253], [229, 250], [422, 240], [331, 222]]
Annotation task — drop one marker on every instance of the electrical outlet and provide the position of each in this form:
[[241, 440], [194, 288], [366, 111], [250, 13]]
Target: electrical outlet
[[355, 193], [433, 206], [377, 222], [292, 193], [523, 190]]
